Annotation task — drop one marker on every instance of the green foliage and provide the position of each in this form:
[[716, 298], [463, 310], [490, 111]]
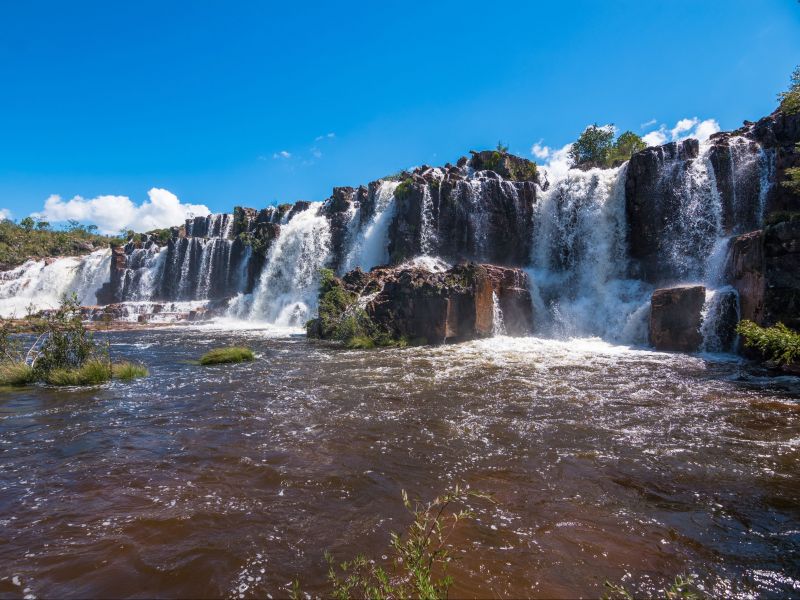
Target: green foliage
[[231, 354], [128, 371], [67, 344], [403, 190], [778, 343], [161, 236], [524, 170], [93, 372], [596, 147], [29, 239], [593, 146], [494, 162], [16, 373], [682, 588], [420, 558], [790, 99], [501, 147]]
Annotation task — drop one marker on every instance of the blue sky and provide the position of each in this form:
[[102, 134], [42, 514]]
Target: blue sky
[[201, 98]]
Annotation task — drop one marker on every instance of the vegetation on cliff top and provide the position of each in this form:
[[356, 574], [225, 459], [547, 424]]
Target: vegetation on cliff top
[[778, 343], [596, 147], [36, 239], [790, 99]]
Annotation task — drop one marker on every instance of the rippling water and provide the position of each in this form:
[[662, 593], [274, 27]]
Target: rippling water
[[605, 463]]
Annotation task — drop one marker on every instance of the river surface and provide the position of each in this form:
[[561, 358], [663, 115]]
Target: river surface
[[604, 463]]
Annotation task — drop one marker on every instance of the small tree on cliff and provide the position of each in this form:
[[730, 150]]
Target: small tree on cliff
[[627, 145], [790, 99], [593, 146]]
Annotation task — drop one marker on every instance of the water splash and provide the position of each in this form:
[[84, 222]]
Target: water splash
[[369, 241]]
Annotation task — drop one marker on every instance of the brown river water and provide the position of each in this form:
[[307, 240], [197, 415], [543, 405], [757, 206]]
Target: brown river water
[[605, 463]]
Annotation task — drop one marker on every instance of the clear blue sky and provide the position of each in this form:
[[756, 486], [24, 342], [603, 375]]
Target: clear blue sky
[[198, 97]]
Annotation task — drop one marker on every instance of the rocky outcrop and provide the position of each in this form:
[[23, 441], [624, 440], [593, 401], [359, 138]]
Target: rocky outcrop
[[413, 303], [764, 267], [676, 317]]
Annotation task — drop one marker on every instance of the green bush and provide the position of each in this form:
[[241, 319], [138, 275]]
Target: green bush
[[790, 99], [127, 370], [232, 354], [16, 373], [67, 343], [418, 555], [782, 216], [92, 372], [403, 190], [596, 147], [778, 343]]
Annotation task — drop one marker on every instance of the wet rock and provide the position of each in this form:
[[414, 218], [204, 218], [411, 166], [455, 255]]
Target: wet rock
[[437, 307], [676, 317], [745, 271]]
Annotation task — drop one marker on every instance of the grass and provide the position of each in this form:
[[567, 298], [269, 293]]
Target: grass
[[16, 373], [128, 371], [232, 354], [778, 343], [682, 588], [93, 372]]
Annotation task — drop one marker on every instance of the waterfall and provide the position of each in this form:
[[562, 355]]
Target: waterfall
[[286, 293], [579, 263], [426, 234], [720, 312], [369, 242], [498, 326], [41, 284]]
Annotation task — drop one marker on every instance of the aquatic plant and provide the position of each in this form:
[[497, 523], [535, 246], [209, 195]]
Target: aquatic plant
[[127, 370], [778, 343], [420, 555], [16, 373], [93, 372], [231, 354], [682, 588]]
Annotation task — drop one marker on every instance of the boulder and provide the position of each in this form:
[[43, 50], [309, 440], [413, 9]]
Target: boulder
[[676, 317], [461, 303]]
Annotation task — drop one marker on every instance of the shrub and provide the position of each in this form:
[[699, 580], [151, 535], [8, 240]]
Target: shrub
[[782, 216], [92, 372], [778, 343], [403, 190], [360, 342], [417, 555], [232, 354], [682, 588], [16, 373], [790, 99], [127, 370], [596, 147], [67, 343]]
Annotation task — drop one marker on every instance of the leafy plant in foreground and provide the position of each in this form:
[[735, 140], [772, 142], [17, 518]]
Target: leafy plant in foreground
[[420, 556], [778, 343], [682, 588]]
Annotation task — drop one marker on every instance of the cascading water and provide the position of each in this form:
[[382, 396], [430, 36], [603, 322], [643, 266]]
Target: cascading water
[[286, 293], [579, 261], [498, 325], [369, 241], [41, 284]]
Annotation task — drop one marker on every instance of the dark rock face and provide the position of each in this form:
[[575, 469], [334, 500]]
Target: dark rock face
[[655, 180], [676, 317], [764, 267], [485, 218], [338, 209], [449, 306]]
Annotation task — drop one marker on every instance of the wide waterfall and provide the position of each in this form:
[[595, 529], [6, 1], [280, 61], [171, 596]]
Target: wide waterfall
[[590, 275]]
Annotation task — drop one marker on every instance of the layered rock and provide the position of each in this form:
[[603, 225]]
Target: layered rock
[[676, 318], [409, 302], [764, 267]]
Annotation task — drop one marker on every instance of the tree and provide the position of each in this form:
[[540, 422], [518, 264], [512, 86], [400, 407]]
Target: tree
[[42, 225], [593, 146], [627, 145], [790, 99], [501, 147], [27, 223]]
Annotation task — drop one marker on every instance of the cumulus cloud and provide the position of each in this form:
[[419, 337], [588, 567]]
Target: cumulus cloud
[[5, 214], [539, 151], [112, 214], [282, 154], [684, 128], [556, 160]]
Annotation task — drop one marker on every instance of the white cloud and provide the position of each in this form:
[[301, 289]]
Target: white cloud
[[114, 213], [316, 153], [326, 136], [684, 129], [539, 151], [5, 214], [649, 123], [282, 154]]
